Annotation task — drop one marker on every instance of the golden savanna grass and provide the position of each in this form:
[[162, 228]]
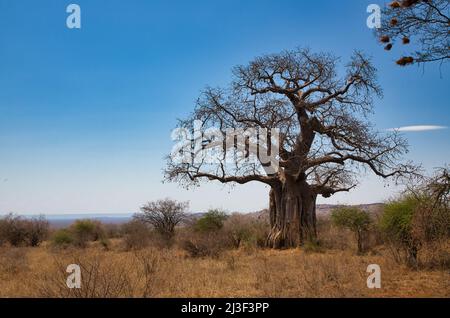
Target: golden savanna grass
[[247, 272]]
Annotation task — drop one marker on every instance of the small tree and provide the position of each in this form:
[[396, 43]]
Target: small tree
[[163, 215], [421, 215], [17, 230], [354, 219], [211, 221], [62, 238], [397, 224], [36, 230], [13, 230], [86, 230]]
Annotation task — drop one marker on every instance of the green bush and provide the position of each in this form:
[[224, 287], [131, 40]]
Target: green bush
[[212, 220], [397, 224], [397, 218], [85, 231], [420, 216], [354, 219], [62, 238]]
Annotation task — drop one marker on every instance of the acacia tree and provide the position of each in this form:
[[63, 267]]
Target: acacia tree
[[354, 219], [423, 22], [324, 135], [164, 215]]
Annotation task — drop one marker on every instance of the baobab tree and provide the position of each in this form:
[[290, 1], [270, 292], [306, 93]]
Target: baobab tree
[[425, 24], [324, 138]]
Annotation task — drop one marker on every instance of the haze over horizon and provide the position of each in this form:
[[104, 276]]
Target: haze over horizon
[[86, 115]]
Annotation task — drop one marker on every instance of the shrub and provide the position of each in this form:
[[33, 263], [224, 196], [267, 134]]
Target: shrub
[[397, 225], [215, 232], [37, 230], [206, 236], [85, 231], [421, 216], [204, 245], [331, 236], [211, 221], [102, 276], [192, 249], [62, 238], [136, 235], [246, 230], [18, 231], [239, 229], [13, 230], [431, 222], [355, 220], [260, 231]]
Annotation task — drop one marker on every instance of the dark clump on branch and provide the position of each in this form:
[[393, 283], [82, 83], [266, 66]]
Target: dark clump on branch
[[394, 4], [406, 60], [405, 40], [388, 47], [394, 22], [385, 39], [409, 3]]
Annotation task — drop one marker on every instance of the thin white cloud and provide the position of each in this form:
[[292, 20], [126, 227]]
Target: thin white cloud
[[417, 128]]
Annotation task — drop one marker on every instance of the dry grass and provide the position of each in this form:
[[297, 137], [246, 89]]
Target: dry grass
[[40, 272]]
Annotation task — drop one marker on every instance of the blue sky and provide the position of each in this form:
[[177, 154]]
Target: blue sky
[[86, 115]]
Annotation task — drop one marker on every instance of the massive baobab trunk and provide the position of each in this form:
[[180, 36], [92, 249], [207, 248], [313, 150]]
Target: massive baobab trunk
[[292, 212]]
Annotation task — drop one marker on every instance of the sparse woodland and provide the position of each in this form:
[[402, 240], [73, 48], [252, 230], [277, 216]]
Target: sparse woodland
[[223, 255]]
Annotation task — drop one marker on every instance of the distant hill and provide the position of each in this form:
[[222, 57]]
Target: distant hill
[[64, 220], [325, 209]]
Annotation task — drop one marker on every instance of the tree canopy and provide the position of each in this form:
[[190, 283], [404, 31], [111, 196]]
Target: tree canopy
[[424, 24], [322, 117], [299, 124]]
